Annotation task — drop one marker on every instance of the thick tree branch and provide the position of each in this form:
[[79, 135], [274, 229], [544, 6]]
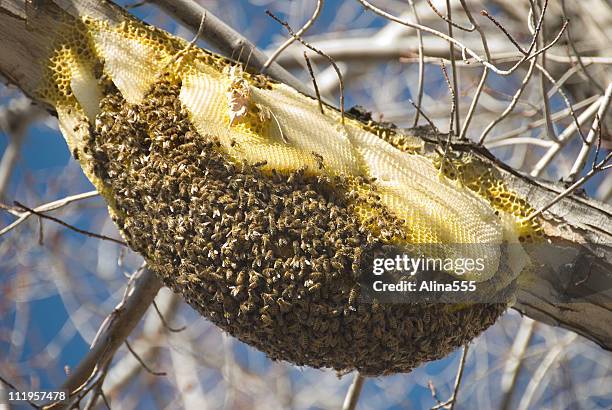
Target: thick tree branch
[[576, 228], [120, 323], [226, 39]]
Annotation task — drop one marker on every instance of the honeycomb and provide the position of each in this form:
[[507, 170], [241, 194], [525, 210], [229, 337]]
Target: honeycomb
[[274, 259], [264, 224]]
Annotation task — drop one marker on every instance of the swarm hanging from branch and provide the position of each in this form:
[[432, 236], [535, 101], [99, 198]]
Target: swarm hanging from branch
[[264, 234]]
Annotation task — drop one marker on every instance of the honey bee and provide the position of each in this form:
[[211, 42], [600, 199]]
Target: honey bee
[[353, 295], [319, 159]]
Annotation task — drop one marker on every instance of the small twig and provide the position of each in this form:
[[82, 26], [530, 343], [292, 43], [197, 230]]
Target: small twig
[[483, 78], [511, 106], [464, 49], [352, 395], [462, 361], [452, 112], [299, 33], [67, 225], [448, 19], [528, 77], [431, 124], [586, 146], [599, 139], [568, 104], [98, 392], [566, 76], [142, 363], [104, 399], [550, 129], [165, 323], [507, 97], [486, 14], [12, 387], [450, 403], [455, 94], [314, 82], [599, 167], [453, 98], [316, 50], [95, 378], [434, 392], [564, 137], [570, 41], [421, 63], [22, 216], [189, 45]]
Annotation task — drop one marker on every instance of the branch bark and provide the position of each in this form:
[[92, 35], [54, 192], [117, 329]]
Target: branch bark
[[579, 231], [122, 322], [226, 39]]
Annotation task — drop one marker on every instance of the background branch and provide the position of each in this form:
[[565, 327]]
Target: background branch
[[123, 320], [226, 39]]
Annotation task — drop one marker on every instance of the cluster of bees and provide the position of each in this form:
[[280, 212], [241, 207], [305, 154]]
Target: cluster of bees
[[271, 258]]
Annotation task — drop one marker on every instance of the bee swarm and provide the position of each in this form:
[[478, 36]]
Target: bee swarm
[[271, 258]]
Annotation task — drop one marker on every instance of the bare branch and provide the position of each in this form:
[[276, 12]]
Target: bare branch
[[483, 78], [564, 137], [599, 167], [165, 323], [503, 30], [450, 403], [67, 225], [314, 82], [512, 104], [121, 323], [464, 49], [451, 48], [453, 99], [22, 216], [15, 389], [550, 129], [352, 395], [142, 363], [526, 79], [568, 104], [299, 33], [225, 38], [586, 145], [448, 19], [572, 45], [316, 50]]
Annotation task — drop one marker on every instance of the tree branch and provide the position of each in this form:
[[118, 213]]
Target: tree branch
[[120, 323], [226, 39]]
